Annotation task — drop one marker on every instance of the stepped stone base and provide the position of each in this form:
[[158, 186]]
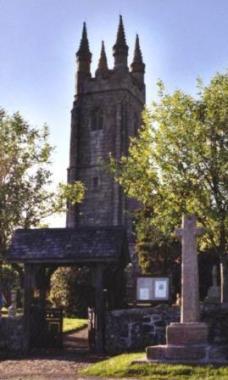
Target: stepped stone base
[[186, 342], [195, 333], [208, 354], [180, 354]]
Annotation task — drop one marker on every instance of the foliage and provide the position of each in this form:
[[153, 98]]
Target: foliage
[[73, 193], [70, 290], [74, 324], [24, 174], [121, 366], [59, 287], [178, 164], [25, 177], [9, 280]]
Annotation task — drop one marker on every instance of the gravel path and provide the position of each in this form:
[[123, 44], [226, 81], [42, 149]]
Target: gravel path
[[62, 367], [57, 365]]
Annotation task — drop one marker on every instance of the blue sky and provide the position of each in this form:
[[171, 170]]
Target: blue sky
[[180, 40]]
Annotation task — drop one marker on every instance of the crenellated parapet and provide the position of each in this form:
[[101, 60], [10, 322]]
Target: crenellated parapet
[[119, 76]]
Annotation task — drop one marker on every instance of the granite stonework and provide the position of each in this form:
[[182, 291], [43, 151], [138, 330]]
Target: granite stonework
[[216, 317], [185, 334], [11, 335], [190, 305], [201, 336], [131, 329], [186, 341], [106, 114]]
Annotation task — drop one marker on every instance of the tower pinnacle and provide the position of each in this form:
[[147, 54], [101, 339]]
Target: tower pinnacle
[[120, 49], [137, 65], [84, 59], [83, 52], [102, 65]]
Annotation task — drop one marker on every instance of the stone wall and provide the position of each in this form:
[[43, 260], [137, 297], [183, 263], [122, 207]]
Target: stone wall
[[11, 335], [134, 329], [131, 329], [216, 316]]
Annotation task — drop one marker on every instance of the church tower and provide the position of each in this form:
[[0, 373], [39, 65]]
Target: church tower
[[106, 112]]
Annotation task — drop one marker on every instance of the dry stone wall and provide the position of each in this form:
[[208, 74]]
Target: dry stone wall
[[135, 329], [11, 335], [216, 316], [132, 329]]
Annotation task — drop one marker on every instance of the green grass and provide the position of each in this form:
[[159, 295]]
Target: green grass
[[69, 324], [120, 366], [73, 324], [4, 311]]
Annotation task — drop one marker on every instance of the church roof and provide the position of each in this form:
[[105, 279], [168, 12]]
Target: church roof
[[69, 245]]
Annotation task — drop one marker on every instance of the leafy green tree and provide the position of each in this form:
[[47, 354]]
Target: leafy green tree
[[9, 280], [178, 164], [71, 290], [25, 178]]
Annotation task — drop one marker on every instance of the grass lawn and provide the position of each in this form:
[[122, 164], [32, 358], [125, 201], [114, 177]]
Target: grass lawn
[[73, 324], [69, 324], [120, 366], [4, 312]]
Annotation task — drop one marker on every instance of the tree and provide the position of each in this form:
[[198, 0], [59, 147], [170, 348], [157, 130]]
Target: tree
[[71, 289], [25, 178], [9, 279], [178, 164]]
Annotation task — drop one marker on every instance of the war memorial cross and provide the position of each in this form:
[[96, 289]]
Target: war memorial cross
[[190, 277]]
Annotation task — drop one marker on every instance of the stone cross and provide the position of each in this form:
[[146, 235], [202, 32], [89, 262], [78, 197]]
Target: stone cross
[[190, 277], [214, 276]]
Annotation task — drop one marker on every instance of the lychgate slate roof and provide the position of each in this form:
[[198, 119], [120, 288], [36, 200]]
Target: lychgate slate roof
[[69, 245]]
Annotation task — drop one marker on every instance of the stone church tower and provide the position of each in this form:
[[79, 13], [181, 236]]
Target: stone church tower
[[106, 112]]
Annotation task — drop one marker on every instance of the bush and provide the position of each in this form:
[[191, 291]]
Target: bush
[[70, 290], [9, 280]]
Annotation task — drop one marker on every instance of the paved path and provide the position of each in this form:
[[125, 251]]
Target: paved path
[[60, 365]]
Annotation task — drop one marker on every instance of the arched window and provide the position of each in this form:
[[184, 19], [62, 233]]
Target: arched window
[[96, 119]]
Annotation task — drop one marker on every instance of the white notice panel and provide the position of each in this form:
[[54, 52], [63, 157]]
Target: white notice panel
[[152, 289], [144, 294], [161, 289]]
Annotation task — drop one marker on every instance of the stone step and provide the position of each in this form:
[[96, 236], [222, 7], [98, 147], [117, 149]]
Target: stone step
[[181, 353], [182, 334]]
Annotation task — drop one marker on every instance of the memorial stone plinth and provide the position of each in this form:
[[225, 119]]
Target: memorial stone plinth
[[187, 340]]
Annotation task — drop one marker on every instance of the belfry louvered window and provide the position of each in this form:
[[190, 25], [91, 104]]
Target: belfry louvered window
[[96, 119]]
